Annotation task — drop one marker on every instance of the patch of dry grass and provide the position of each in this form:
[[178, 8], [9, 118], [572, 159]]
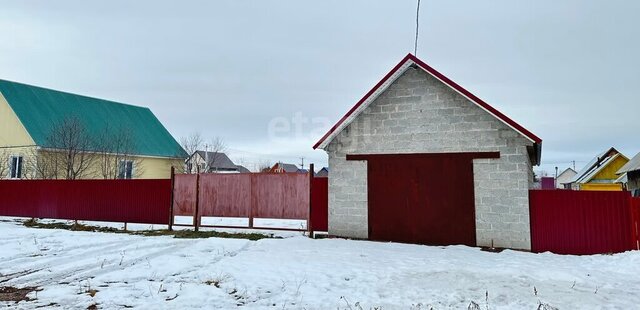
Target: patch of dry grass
[[10, 293], [181, 234]]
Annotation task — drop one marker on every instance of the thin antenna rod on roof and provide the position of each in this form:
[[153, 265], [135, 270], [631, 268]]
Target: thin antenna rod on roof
[[415, 46]]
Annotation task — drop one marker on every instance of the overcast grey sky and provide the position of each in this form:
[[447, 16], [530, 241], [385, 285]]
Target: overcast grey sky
[[566, 70]]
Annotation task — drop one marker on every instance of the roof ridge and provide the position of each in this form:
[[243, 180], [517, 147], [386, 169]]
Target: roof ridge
[[38, 108], [390, 77], [74, 94]]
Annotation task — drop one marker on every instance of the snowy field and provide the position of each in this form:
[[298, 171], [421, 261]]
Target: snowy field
[[75, 270]]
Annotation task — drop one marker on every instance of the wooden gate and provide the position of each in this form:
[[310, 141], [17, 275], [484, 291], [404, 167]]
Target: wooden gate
[[279, 196], [422, 198]]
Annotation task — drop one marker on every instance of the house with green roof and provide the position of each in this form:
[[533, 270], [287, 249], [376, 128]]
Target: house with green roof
[[42, 129]]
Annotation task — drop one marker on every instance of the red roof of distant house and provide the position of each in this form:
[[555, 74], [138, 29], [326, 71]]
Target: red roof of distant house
[[445, 80]]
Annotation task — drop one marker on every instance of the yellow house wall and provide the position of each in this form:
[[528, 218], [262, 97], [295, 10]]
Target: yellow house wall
[[27, 154], [601, 187], [14, 139], [150, 168], [609, 172], [12, 132], [144, 168], [158, 168]]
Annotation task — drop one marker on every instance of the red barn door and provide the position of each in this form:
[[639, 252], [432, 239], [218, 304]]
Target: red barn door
[[422, 198]]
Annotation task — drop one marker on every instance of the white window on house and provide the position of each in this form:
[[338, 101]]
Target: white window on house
[[15, 165], [125, 169]]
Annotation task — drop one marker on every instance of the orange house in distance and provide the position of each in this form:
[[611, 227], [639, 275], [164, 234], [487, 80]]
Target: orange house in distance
[[286, 168]]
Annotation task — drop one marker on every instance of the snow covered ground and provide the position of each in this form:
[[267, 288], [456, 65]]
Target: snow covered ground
[[124, 271]]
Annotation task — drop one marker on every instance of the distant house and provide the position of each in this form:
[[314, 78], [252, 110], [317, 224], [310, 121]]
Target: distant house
[[50, 134], [242, 169], [286, 168], [630, 175], [208, 162], [565, 177], [323, 173], [600, 173]]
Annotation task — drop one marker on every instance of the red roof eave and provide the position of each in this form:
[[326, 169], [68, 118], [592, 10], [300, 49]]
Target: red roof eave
[[361, 101]]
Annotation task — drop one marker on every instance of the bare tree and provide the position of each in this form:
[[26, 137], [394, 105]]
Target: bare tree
[[68, 151], [115, 154], [44, 164], [265, 166], [191, 143], [4, 164], [213, 153]]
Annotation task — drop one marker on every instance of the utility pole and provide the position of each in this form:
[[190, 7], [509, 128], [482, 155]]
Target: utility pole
[[574, 164], [206, 158], [302, 163], [415, 46]]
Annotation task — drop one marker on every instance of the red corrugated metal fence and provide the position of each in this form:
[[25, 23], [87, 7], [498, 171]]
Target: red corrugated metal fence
[[184, 194], [280, 196], [320, 204], [581, 222], [132, 201], [225, 195], [635, 225]]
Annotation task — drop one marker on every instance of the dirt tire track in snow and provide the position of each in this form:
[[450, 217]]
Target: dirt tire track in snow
[[232, 294], [18, 259], [10, 276], [62, 260], [129, 263], [234, 253]]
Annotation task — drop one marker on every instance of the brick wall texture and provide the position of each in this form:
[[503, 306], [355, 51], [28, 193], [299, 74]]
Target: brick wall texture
[[419, 114]]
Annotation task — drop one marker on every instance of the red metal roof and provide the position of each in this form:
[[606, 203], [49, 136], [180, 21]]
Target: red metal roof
[[445, 80]]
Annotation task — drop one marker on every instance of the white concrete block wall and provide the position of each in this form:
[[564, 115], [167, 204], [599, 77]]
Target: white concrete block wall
[[419, 114]]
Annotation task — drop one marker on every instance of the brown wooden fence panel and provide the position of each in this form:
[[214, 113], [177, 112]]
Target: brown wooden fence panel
[[256, 195], [580, 222], [184, 194], [281, 196], [225, 195]]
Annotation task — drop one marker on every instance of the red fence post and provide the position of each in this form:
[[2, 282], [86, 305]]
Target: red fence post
[[173, 183], [253, 198], [309, 219], [634, 204], [636, 212], [196, 211]]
